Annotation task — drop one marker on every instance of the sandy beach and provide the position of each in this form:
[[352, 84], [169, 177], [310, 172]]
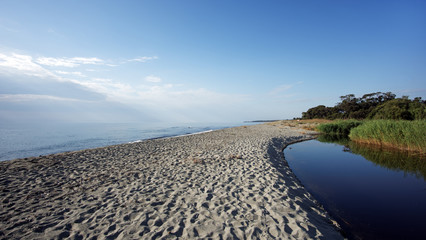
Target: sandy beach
[[227, 184]]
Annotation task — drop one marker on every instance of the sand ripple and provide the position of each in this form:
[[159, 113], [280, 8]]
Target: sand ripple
[[226, 184]]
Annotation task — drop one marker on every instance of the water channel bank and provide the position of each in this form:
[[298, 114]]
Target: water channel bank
[[372, 193]]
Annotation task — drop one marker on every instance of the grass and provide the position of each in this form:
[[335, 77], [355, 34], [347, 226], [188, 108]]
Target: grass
[[340, 127], [406, 135], [398, 134]]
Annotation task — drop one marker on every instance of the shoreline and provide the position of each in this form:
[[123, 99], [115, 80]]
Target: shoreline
[[229, 183], [174, 136], [68, 138]]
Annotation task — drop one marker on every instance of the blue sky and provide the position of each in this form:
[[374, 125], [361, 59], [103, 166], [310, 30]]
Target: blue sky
[[203, 61]]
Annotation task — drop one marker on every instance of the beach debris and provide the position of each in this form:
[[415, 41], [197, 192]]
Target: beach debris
[[196, 160], [235, 156]]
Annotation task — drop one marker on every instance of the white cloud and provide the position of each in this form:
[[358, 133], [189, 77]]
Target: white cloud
[[157, 98], [23, 64], [153, 79], [82, 60], [166, 95], [161, 97], [32, 97], [68, 62], [143, 59], [113, 90], [78, 74], [56, 62]]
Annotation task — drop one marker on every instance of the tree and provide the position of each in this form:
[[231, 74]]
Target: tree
[[320, 111], [359, 108], [375, 105], [400, 109]]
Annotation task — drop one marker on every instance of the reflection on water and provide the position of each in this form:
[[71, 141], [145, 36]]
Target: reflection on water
[[408, 162], [372, 193]]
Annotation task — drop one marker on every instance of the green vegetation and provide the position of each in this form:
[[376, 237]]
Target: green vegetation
[[409, 162], [376, 118], [334, 138], [401, 134], [405, 161], [339, 127], [398, 109], [371, 106], [408, 135]]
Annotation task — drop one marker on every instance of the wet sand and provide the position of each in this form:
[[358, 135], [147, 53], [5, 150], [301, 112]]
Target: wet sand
[[227, 184]]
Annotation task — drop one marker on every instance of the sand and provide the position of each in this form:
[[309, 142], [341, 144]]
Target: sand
[[227, 184]]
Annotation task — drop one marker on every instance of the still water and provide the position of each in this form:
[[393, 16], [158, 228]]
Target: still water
[[372, 193]]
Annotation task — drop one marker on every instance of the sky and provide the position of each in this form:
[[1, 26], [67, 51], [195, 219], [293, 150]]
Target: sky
[[205, 60]]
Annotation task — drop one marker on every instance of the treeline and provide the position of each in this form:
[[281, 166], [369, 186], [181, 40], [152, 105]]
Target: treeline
[[371, 106]]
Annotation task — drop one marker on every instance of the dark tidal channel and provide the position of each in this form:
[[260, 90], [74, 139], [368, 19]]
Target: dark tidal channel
[[372, 193]]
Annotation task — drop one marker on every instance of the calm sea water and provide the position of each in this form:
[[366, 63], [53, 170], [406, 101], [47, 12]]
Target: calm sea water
[[20, 141], [373, 194]]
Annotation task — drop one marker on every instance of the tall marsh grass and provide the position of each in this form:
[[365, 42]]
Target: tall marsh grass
[[341, 127], [408, 135]]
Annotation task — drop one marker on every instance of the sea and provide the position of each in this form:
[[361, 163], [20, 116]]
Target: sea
[[23, 141]]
